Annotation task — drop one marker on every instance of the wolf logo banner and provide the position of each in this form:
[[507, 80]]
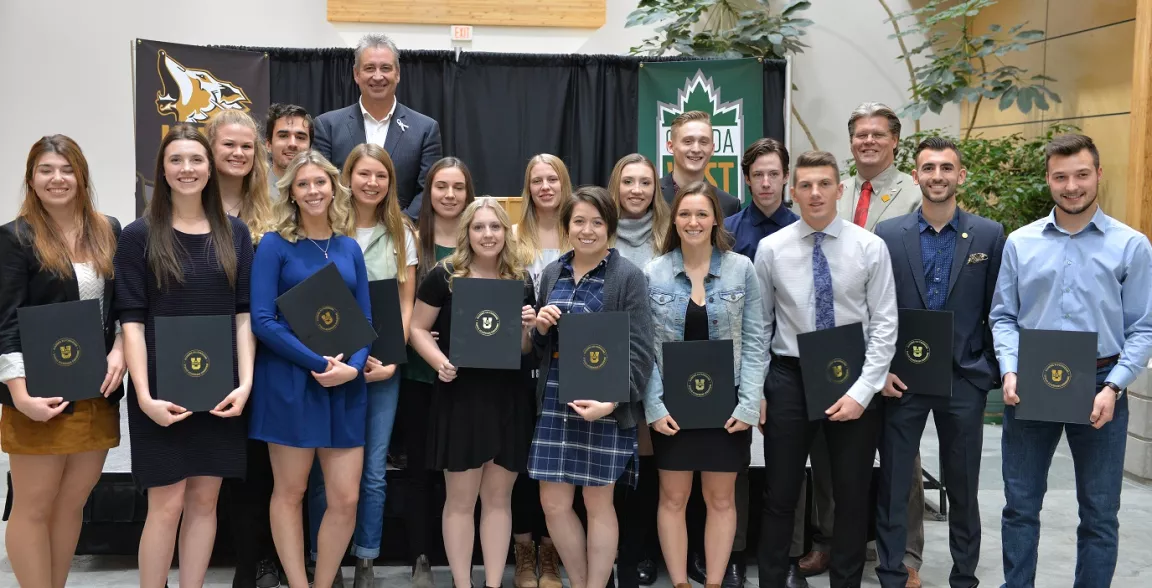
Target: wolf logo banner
[[730, 91], [189, 84]]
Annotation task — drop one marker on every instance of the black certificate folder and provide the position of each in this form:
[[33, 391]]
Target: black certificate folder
[[486, 323], [194, 360], [923, 359], [325, 316], [1056, 376], [389, 346], [830, 362], [63, 347], [699, 383], [594, 357]]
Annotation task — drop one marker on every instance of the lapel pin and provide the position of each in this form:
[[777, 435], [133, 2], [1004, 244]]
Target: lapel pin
[[403, 127], [886, 197], [963, 235]]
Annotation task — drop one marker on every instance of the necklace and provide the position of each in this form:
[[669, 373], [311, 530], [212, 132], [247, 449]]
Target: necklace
[[327, 244]]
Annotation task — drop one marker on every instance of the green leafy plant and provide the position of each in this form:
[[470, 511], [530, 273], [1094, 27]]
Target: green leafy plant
[[964, 65], [724, 29], [1006, 175]]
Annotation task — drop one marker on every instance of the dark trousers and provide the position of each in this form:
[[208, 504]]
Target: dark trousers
[[787, 439], [636, 512], [413, 408], [960, 426], [247, 506]]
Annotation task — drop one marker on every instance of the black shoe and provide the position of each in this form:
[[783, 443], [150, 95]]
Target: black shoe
[[795, 579], [734, 576], [266, 575], [697, 570], [646, 572]]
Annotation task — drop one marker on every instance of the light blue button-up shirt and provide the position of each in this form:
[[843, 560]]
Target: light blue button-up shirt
[[1098, 280]]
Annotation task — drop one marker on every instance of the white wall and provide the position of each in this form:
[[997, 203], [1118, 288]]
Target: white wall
[[69, 69]]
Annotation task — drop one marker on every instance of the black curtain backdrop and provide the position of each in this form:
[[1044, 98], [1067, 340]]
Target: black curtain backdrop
[[498, 109]]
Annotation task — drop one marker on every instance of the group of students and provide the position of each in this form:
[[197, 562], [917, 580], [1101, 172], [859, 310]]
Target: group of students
[[217, 239]]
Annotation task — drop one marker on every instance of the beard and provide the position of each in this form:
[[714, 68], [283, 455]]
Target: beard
[[1089, 200], [949, 194]]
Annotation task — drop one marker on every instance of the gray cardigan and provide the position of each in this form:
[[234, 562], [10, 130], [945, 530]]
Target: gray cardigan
[[625, 289]]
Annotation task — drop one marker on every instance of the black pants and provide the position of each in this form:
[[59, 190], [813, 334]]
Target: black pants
[[788, 437], [247, 503], [413, 408], [960, 426], [636, 513]]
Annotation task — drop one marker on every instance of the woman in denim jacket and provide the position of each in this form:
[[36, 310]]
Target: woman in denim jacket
[[701, 290]]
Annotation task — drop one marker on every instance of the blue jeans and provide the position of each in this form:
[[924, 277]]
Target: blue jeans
[[382, 399], [1098, 458]]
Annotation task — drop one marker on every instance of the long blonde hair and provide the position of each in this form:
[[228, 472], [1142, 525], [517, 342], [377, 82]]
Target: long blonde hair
[[96, 242], [286, 214], [255, 202], [388, 210], [661, 212], [511, 265], [527, 230]]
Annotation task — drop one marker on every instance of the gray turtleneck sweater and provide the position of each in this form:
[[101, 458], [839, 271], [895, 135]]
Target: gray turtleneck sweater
[[634, 239]]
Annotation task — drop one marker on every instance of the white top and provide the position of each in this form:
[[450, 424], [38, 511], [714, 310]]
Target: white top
[[91, 286], [863, 290], [410, 258], [376, 131], [537, 266]]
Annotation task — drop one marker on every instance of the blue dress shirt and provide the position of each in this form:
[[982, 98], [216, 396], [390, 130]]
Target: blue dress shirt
[[750, 225], [936, 250], [1098, 280]]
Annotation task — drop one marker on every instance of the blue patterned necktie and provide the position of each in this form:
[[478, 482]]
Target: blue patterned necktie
[[822, 282]]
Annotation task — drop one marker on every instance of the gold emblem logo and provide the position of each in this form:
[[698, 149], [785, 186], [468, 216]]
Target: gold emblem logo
[[700, 384], [327, 319], [595, 357], [1057, 375], [196, 363], [917, 351], [487, 323], [65, 352], [838, 371]]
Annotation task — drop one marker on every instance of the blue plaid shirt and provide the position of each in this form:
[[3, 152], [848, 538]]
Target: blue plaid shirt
[[936, 251]]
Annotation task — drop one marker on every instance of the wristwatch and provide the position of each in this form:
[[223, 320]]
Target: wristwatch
[[1117, 389]]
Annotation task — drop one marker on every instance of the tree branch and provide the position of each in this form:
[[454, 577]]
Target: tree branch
[[807, 132], [907, 58]]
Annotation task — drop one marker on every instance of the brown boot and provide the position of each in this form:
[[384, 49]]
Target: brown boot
[[525, 565], [549, 566], [711, 586], [815, 563]]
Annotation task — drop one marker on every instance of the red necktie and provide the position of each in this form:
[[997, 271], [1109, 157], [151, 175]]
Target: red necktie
[[861, 216]]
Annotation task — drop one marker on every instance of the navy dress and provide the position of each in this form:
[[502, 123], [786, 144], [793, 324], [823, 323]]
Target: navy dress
[[288, 406]]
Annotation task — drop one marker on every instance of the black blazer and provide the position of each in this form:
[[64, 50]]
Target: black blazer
[[413, 143], [24, 282], [971, 284], [729, 204]]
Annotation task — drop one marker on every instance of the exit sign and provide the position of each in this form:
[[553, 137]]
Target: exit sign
[[461, 32]]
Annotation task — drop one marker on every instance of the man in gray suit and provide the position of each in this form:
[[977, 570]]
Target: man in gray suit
[[943, 259], [412, 139]]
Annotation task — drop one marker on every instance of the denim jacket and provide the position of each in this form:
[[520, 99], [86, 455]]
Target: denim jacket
[[735, 311]]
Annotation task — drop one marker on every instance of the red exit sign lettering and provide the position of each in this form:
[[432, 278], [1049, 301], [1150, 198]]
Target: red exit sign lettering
[[461, 32]]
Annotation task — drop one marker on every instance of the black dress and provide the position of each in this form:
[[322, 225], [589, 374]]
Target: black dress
[[202, 444], [480, 416], [702, 450]]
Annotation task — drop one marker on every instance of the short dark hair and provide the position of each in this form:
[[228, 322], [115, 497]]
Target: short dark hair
[[816, 159], [278, 111], [596, 196], [760, 148], [1070, 144], [938, 144]]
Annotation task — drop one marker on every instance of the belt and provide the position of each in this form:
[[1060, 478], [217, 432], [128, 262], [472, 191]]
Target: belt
[[786, 360], [1104, 362]]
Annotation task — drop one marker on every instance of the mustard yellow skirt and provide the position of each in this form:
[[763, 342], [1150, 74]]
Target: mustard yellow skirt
[[94, 425]]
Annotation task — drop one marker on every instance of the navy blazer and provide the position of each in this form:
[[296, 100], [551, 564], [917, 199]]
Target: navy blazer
[[971, 284], [413, 143], [24, 282], [729, 204]]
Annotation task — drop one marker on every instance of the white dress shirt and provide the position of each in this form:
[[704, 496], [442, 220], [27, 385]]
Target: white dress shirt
[[376, 131], [863, 291]]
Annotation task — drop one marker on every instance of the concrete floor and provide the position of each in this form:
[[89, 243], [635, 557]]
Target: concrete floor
[[1057, 544]]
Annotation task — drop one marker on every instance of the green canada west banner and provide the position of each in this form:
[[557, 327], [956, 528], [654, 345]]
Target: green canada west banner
[[731, 91]]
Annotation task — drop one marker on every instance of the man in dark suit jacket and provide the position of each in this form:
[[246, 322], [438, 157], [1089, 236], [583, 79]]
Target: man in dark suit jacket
[[943, 259], [412, 139], [692, 147]]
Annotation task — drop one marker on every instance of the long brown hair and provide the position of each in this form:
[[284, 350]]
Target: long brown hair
[[164, 251], [721, 238], [388, 210], [527, 230], [95, 243], [659, 207], [255, 202], [427, 222]]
